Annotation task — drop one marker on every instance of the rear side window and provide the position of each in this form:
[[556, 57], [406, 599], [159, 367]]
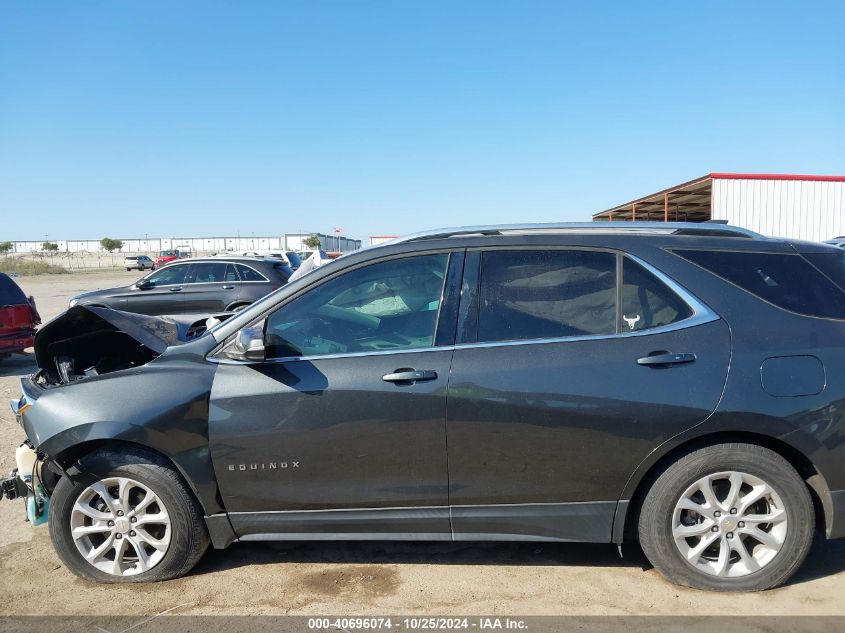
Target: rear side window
[[206, 272], [546, 294], [785, 280], [248, 274], [646, 301]]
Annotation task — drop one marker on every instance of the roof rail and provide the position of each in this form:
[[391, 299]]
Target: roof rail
[[653, 228]]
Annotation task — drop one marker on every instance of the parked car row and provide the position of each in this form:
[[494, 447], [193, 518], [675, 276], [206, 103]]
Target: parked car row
[[213, 284]]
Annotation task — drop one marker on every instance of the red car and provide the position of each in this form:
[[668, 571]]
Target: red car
[[18, 318], [165, 257]]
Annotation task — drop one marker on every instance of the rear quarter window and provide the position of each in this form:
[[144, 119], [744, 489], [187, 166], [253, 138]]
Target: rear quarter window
[[249, 274], [785, 280]]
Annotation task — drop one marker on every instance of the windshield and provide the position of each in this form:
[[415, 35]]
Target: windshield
[[167, 254], [294, 259]]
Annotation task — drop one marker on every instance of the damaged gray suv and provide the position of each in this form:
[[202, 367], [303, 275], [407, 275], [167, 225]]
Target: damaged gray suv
[[682, 385]]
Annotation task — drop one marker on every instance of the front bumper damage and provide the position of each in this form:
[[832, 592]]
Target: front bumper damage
[[26, 482]]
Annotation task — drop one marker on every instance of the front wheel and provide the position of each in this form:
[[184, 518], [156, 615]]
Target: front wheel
[[126, 517], [729, 517]]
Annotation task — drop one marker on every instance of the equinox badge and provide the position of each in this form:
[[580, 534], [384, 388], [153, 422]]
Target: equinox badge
[[267, 466]]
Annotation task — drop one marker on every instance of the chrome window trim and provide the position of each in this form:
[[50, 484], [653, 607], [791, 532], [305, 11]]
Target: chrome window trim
[[291, 359], [701, 314]]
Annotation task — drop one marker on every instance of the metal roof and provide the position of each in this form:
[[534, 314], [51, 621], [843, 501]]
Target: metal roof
[[690, 201]]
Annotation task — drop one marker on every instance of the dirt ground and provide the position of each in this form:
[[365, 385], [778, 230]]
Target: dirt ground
[[369, 578]]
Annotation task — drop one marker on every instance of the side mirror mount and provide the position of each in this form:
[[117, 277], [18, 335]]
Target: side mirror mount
[[144, 284], [248, 346]]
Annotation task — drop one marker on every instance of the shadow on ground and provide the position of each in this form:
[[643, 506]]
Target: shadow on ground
[[826, 558], [17, 365], [421, 553]]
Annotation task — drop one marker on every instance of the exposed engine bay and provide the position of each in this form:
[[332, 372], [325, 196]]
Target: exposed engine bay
[[87, 341]]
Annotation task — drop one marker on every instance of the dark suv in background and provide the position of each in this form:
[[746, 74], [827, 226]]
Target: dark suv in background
[[214, 284], [678, 384]]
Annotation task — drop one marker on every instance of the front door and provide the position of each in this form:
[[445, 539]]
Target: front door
[[570, 382], [162, 296], [342, 429]]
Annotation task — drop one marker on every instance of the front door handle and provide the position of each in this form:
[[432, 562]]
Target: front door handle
[[665, 359], [228, 287], [410, 375], [175, 289]]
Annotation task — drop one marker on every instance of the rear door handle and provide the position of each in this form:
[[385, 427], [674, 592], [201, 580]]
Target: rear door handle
[[175, 289], [410, 375], [228, 287], [665, 359]]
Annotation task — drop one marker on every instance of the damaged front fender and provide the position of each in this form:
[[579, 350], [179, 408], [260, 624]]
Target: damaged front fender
[[161, 404]]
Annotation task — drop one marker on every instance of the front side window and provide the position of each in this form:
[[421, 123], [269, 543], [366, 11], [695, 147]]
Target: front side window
[[168, 276], [392, 305], [537, 294], [646, 301]]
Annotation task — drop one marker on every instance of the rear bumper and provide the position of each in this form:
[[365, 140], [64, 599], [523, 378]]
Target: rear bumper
[[17, 341]]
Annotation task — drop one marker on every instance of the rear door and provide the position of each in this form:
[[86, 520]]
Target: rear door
[[563, 381]]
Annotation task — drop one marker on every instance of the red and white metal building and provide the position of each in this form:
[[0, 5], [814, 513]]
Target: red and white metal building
[[783, 205]]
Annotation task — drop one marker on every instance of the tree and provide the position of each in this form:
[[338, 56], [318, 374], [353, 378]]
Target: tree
[[312, 241], [49, 247], [5, 247], [111, 245]]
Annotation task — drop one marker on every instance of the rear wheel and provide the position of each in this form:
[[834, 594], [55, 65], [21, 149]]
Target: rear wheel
[[729, 517], [126, 517]]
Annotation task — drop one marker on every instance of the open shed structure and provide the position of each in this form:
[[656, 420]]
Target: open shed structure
[[785, 205]]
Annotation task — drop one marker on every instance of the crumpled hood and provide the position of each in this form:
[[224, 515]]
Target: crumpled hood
[[156, 333]]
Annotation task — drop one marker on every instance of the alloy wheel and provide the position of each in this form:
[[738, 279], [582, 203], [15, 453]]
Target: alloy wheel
[[729, 524], [120, 526]]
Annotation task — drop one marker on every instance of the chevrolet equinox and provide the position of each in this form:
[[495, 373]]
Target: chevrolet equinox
[[680, 385]]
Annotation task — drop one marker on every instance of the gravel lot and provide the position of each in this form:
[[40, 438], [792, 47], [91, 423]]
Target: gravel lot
[[369, 578]]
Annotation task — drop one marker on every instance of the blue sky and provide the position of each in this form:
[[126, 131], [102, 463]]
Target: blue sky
[[210, 118]]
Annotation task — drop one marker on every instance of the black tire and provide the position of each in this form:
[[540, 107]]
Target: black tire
[[656, 516], [189, 536]]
